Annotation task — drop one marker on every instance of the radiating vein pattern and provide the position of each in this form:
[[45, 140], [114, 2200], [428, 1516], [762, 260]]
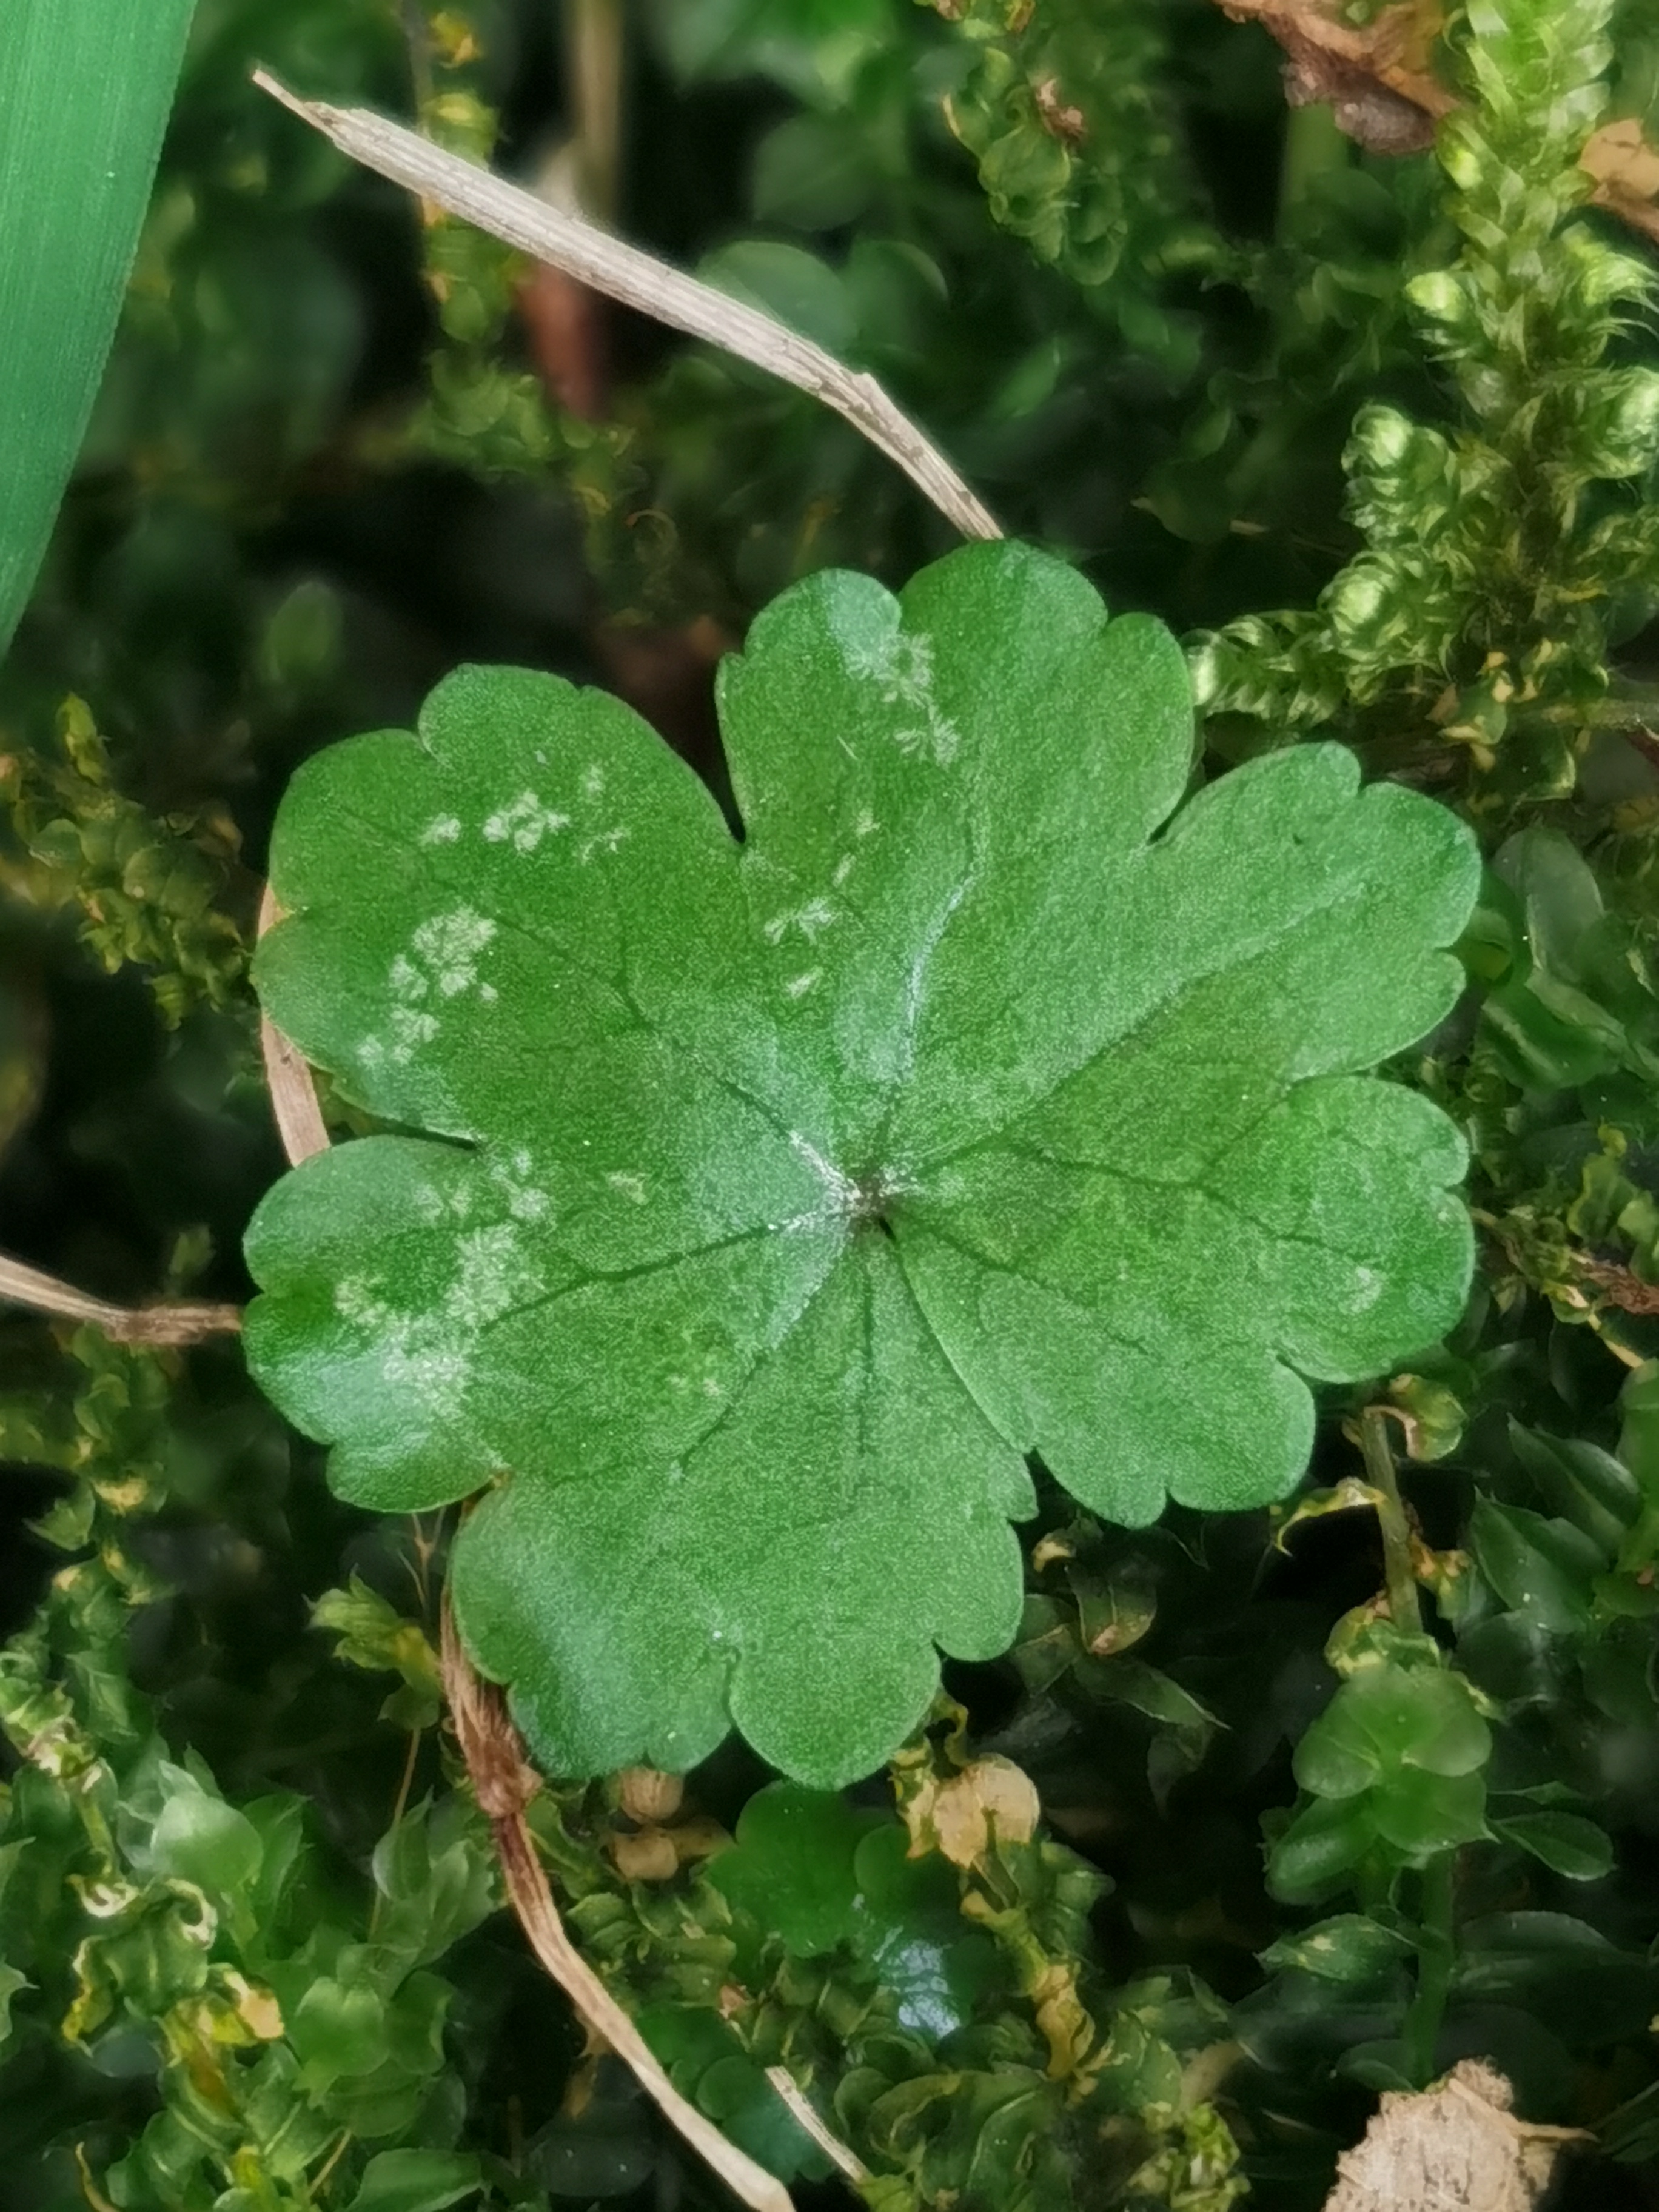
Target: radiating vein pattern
[[777, 1194]]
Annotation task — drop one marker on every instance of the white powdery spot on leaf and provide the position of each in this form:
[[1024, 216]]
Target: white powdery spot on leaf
[[811, 920], [436, 1374], [524, 822], [799, 986], [632, 1187], [492, 1273], [358, 1301], [900, 667], [408, 984], [430, 1355], [604, 841], [442, 830], [840, 1192], [511, 1177], [410, 1027], [450, 945]]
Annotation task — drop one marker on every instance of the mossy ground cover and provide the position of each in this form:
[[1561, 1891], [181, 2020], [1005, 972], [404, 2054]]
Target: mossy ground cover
[[1229, 1815]]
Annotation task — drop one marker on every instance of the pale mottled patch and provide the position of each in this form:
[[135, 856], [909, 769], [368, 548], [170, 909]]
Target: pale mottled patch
[[809, 921], [524, 822], [430, 1354], [526, 1199], [450, 944], [900, 667]]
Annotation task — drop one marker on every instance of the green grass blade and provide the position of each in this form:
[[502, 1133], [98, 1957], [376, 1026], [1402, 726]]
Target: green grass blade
[[85, 88]]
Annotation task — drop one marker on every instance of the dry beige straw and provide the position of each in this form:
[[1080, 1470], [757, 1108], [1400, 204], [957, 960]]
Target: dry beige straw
[[639, 280]]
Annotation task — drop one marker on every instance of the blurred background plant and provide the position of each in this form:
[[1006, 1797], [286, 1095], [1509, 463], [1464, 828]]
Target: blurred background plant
[[1264, 1815]]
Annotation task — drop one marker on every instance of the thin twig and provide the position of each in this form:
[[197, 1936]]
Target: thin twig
[[292, 1089], [1404, 1607], [784, 2082], [185, 1321], [639, 280], [504, 1783]]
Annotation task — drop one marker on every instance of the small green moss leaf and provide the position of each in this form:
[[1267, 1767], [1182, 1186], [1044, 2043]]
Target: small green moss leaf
[[970, 1107], [199, 1839], [1348, 1948], [417, 2181], [1566, 1843], [794, 1869]]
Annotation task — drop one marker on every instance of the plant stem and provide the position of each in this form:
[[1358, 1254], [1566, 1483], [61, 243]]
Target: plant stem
[[419, 40], [400, 1806], [1313, 146], [593, 38], [1436, 1949], [1401, 1583]]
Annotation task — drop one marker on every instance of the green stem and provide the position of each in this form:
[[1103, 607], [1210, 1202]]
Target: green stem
[[1436, 1950], [1313, 146], [1401, 1581], [593, 40], [419, 40]]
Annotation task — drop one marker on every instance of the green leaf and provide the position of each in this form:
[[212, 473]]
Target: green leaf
[[1592, 1489], [1318, 1847], [84, 94], [1384, 1719], [813, 174], [1420, 1813], [793, 1866], [1347, 1948], [1567, 1844], [12, 1981], [417, 2181], [786, 282], [910, 1931], [338, 2029], [436, 1876], [706, 2062], [794, 1190], [817, 1874], [1545, 1569], [198, 1838]]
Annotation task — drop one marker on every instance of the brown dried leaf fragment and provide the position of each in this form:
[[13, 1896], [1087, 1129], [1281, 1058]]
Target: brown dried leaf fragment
[[1626, 169], [1380, 85], [1456, 2147], [1376, 77], [1059, 119], [991, 1800], [1621, 1286]]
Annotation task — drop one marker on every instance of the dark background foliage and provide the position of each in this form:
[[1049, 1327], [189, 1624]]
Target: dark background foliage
[[1376, 436]]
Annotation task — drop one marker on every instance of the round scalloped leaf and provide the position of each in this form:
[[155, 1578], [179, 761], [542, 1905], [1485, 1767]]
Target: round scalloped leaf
[[775, 1197]]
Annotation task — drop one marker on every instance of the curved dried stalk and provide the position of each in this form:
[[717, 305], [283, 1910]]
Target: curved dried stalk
[[185, 1321], [505, 1782], [292, 1092], [639, 280], [503, 1779]]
